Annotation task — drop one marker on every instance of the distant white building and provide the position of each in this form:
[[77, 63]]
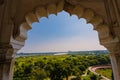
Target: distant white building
[[60, 53]]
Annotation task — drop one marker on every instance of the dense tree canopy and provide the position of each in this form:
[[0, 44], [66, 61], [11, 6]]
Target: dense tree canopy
[[55, 67]]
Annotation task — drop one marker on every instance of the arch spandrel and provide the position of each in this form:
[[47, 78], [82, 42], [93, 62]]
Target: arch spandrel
[[78, 10], [96, 20], [60, 5], [30, 18], [88, 14], [52, 9], [41, 12]]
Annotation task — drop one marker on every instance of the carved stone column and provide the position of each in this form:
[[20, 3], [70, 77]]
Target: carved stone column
[[6, 61], [114, 49], [16, 45], [115, 61]]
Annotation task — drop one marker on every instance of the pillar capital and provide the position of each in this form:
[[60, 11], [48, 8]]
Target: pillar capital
[[6, 52], [114, 48], [113, 45]]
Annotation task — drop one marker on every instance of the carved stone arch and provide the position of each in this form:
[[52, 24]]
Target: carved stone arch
[[17, 16], [82, 12]]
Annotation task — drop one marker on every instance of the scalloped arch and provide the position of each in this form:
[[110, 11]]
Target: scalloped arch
[[43, 11]]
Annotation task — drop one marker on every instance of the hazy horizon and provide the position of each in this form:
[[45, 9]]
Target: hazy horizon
[[61, 33], [61, 51]]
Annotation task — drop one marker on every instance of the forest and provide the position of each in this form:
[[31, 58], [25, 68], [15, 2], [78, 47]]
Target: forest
[[57, 67]]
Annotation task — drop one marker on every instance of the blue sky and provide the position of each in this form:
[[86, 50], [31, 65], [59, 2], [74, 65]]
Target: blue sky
[[61, 33]]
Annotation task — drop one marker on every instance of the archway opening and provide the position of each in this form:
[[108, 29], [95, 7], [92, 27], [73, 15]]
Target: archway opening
[[62, 29], [62, 36]]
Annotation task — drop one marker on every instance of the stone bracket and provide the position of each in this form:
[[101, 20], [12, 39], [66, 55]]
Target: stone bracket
[[6, 52]]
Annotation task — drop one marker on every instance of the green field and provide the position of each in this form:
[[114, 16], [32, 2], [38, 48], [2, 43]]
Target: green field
[[105, 72]]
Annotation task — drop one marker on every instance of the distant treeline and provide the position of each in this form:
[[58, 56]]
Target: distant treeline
[[99, 52], [96, 52]]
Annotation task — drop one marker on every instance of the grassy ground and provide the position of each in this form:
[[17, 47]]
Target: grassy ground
[[105, 72]]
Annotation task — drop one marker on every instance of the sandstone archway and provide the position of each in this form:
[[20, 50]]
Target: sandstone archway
[[98, 22], [16, 17]]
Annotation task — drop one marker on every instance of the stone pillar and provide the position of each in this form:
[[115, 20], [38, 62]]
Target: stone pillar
[[115, 61], [5, 69], [12, 69], [6, 61], [114, 48]]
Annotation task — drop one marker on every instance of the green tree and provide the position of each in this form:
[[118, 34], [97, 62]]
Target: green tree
[[93, 76], [39, 74]]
